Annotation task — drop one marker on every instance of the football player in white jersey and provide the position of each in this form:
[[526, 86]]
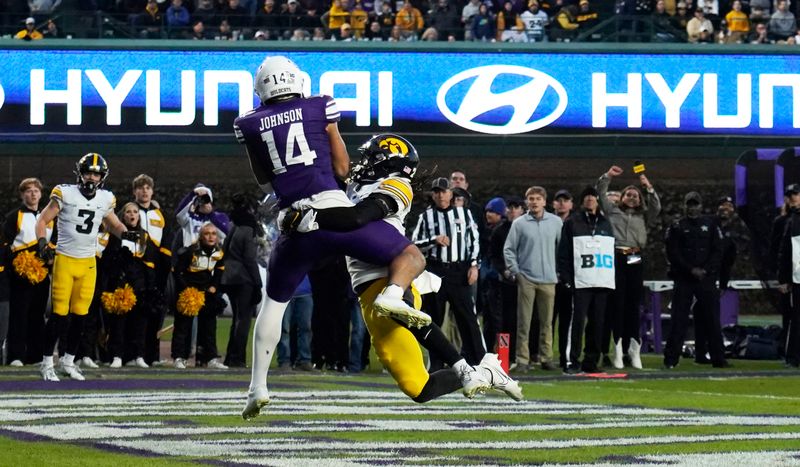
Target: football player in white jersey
[[380, 186], [80, 210]]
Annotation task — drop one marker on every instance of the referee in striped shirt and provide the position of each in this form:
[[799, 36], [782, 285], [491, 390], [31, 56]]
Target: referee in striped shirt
[[448, 236]]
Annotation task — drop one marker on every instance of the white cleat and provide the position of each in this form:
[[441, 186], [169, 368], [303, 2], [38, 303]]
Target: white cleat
[[473, 382], [89, 363], [499, 379], [72, 371], [215, 364], [16, 363], [398, 309], [257, 398], [49, 373], [116, 363], [180, 363]]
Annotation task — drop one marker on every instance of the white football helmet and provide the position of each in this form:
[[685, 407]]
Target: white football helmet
[[278, 76]]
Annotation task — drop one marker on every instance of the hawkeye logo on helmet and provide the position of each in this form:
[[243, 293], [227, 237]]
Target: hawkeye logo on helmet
[[394, 145], [480, 99]]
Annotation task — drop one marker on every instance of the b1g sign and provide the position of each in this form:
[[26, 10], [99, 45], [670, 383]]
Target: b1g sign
[[135, 94]]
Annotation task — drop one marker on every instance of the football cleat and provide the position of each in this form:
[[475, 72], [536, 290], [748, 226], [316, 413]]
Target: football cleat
[[395, 307], [116, 363], [473, 382], [257, 398], [16, 363], [88, 362], [71, 370], [180, 363], [500, 381], [49, 373]]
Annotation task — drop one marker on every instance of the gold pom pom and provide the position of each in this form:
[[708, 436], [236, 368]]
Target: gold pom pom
[[29, 266], [120, 301], [190, 301]]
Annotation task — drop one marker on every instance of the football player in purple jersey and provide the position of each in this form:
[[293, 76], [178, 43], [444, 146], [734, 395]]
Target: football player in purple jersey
[[296, 151]]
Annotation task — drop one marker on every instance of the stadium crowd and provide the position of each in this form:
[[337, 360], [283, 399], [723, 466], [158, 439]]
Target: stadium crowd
[[701, 21], [508, 266]]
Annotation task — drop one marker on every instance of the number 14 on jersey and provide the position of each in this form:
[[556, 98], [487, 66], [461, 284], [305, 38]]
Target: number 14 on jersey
[[296, 137]]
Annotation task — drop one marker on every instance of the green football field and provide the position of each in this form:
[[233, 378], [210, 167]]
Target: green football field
[[746, 415]]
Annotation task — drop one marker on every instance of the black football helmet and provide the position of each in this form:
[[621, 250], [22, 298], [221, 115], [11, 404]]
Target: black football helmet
[[383, 155], [95, 163]]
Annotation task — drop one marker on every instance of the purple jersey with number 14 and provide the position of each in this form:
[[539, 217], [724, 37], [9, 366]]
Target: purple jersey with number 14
[[290, 141]]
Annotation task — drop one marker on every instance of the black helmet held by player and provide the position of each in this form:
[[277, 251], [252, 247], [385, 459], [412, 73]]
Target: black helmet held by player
[[383, 155], [91, 163]]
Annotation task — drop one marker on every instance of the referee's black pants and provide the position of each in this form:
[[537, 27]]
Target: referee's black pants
[[457, 292]]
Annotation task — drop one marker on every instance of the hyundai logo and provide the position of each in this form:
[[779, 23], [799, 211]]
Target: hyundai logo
[[480, 100]]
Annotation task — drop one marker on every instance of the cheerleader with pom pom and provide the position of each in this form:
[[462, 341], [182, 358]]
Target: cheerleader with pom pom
[[130, 266], [27, 276], [198, 272]]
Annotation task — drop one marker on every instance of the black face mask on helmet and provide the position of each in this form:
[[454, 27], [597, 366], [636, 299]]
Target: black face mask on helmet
[[91, 163], [384, 155]]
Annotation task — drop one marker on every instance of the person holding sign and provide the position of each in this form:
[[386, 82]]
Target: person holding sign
[[636, 213], [586, 264]]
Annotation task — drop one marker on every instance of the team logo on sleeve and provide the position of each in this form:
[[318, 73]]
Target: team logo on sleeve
[[394, 145]]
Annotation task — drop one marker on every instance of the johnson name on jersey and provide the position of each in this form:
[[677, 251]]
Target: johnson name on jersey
[[289, 141], [79, 219], [397, 188]]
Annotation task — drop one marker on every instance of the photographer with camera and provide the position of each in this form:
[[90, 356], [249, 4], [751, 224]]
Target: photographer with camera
[[636, 212], [196, 209]]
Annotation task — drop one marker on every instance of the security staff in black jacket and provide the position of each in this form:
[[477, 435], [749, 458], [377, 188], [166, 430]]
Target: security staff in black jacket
[[694, 251]]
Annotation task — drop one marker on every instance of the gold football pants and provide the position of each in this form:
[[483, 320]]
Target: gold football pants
[[73, 284], [395, 346]]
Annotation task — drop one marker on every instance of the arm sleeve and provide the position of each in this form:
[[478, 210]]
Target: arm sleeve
[[674, 255], [653, 208], [181, 265], [602, 191], [715, 259], [785, 255], [219, 269], [564, 263], [249, 259], [420, 236], [9, 227], [473, 237], [775, 237], [496, 252], [182, 214], [510, 250], [344, 219]]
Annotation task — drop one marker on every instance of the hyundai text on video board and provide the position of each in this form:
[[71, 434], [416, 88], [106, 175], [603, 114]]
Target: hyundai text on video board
[[131, 95]]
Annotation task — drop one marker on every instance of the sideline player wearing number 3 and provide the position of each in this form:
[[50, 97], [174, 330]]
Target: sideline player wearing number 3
[[295, 150], [80, 210]]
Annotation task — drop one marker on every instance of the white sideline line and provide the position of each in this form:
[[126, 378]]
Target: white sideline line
[[280, 446], [120, 430]]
